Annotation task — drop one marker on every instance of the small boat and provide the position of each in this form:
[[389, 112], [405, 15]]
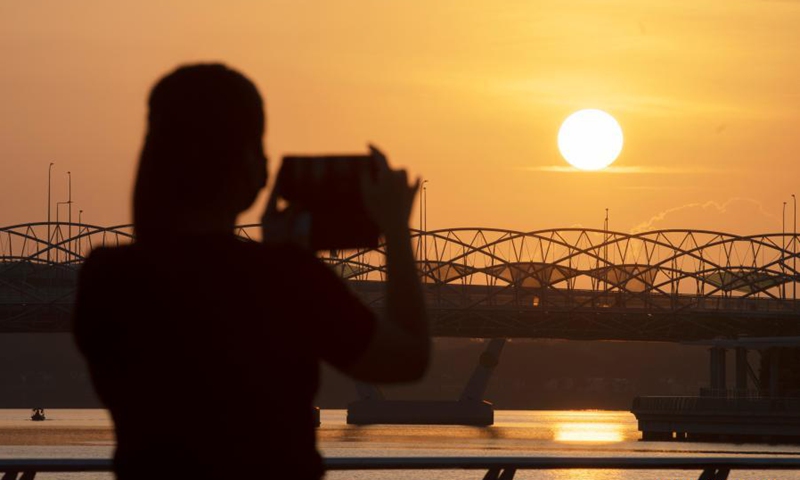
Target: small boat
[[38, 415]]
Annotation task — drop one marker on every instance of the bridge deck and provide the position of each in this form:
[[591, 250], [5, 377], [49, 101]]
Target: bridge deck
[[489, 311]]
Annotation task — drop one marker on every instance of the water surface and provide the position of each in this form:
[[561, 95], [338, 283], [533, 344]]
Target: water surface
[[89, 434]]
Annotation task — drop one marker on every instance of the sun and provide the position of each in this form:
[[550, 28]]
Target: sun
[[590, 139]]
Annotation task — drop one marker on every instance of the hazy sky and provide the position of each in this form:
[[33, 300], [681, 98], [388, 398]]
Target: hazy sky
[[468, 94]]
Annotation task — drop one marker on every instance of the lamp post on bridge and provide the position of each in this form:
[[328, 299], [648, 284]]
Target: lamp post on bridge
[[425, 197], [423, 220], [606, 267], [49, 239], [80, 229], [69, 217], [605, 240], [783, 251], [58, 233]]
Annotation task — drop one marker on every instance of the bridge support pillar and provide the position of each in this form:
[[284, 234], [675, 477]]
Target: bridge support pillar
[[470, 409], [717, 373], [741, 370], [774, 372]]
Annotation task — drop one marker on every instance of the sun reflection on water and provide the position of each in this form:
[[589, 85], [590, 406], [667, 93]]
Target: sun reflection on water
[[588, 432]]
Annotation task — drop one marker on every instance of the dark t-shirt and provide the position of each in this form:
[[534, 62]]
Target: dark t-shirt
[[206, 351]]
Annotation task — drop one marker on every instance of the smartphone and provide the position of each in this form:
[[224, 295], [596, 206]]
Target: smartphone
[[328, 187]]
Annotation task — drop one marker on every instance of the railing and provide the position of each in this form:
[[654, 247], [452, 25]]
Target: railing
[[711, 405], [496, 468], [734, 393]]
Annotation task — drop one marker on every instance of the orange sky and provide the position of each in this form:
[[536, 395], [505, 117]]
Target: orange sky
[[468, 94]]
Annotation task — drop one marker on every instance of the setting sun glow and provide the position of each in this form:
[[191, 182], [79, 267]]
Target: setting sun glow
[[590, 139]]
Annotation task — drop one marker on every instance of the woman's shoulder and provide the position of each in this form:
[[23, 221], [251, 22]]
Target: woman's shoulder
[[287, 253], [105, 254], [104, 258], [290, 260]]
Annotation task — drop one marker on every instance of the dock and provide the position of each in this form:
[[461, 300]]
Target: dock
[[763, 406]]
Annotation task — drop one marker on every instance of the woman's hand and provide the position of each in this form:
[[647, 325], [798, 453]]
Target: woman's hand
[[286, 226], [400, 347], [388, 197]]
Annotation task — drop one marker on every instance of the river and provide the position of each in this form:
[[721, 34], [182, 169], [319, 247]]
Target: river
[[89, 434]]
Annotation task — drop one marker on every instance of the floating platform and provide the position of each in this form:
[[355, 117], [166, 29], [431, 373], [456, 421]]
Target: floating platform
[[715, 419], [406, 412]]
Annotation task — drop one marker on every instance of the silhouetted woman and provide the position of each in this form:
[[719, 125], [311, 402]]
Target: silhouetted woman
[[189, 316]]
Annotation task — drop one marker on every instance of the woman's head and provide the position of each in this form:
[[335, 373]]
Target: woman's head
[[203, 154]]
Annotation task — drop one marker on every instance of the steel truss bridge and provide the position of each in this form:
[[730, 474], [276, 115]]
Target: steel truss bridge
[[580, 284]]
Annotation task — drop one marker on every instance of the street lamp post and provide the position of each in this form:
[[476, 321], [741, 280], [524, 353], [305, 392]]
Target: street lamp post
[[58, 216], [794, 252], [783, 252], [69, 215], [605, 252], [80, 229], [49, 239], [423, 214], [420, 208], [605, 240], [58, 233], [425, 199]]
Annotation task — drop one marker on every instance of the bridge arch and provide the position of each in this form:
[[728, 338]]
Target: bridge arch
[[663, 272]]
